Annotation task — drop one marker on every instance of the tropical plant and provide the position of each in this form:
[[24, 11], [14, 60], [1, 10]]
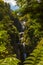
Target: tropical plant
[[9, 61], [36, 57]]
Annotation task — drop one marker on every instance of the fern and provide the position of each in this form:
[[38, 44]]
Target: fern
[[36, 57], [9, 61]]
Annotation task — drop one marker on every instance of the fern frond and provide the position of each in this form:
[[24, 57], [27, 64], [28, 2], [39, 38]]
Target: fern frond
[[36, 57]]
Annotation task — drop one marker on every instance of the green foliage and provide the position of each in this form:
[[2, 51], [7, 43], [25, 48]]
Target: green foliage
[[36, 57], [8, 36], [4, 40], [32, 31], [7, 24], [31, 11], [9, 61]]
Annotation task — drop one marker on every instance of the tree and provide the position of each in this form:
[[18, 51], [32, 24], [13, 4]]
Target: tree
[[31, 12], [8, 36]]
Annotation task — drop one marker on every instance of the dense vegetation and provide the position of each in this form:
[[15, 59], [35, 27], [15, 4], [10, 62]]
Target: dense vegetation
[[8, 36], [12, 53]]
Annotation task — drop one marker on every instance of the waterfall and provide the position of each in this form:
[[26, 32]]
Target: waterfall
[[23, 54]]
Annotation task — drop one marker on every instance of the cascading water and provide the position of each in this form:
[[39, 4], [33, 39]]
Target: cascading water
[[24, 53], [22, 45]]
